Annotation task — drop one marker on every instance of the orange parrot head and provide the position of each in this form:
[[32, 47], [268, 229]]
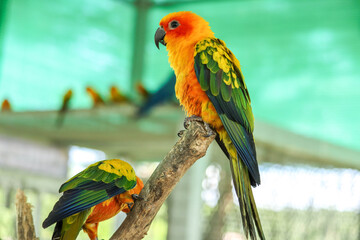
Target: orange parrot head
[[182, 27], [128, 198]]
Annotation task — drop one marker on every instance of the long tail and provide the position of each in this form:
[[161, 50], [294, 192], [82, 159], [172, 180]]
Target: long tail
[[248, 210], [241, 180], [57, 231], [69, 228]]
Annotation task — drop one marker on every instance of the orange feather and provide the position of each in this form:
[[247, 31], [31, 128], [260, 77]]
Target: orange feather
[[5, 106], [181, 58], [182, 32], [116, 95], [95, 96], [110, 208]]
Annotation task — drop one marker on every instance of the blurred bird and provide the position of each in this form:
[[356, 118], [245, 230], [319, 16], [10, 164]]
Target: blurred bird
[[96, 194], [6, 106], [211, 88], [142, 91], [116, 96], [96, 98], [64, 108], [165, 93]]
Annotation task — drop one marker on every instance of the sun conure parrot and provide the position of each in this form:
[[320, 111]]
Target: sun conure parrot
[[95, 96], [211, 88], [96, 194], [144, 93], [116, 96], [64, 108], [6, 106]]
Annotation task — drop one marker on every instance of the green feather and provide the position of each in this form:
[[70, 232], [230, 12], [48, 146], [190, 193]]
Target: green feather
[[94, 173], [73, 224], [211, 63], [215, 68], [204, 83], [123, 182], [226, 92], [97, 183], [243, 100], [214, 85]]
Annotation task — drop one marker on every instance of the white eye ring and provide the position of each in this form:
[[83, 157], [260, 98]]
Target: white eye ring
[[173, 24]]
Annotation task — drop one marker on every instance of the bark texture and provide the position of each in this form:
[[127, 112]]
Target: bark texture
[[191, 146], [24, 221]]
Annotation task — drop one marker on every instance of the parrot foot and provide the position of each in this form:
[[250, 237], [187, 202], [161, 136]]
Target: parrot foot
[[180, 133], [136, 197], [209, 130], [130, 205], [188, 120], [193, 118]]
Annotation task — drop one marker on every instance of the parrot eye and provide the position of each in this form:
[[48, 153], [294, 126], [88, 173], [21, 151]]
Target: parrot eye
[[173, 24]]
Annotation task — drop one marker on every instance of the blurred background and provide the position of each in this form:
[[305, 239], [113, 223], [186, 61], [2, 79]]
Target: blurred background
[[82, 81]]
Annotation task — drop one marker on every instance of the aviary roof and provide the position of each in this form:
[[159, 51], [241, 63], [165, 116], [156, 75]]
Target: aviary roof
[[300, 59]]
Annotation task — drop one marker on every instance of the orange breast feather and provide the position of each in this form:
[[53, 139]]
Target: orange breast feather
[[114, 205]]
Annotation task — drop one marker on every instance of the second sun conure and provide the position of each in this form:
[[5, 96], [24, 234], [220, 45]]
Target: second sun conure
[[96, 194], [211, 87]]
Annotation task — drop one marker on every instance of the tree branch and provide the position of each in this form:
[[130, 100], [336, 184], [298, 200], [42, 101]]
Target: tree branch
[[24, 221], [191, 146]]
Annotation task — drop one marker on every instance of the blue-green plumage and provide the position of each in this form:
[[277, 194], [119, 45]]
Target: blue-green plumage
[[220, 77], [231, 102], [210, 85], [99, 182]]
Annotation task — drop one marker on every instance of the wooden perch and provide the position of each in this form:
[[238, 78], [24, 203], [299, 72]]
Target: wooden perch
[[24, 221], [191, 146]]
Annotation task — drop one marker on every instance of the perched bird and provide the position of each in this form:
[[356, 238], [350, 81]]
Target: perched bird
[[116, 96], [144, 93], [96, 98], [164, 93], [64, 108], [96, 194], [211, 88], [6, 106]]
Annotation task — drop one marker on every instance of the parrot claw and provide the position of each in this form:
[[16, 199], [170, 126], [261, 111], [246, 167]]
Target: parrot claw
[[208, 129], [130, 205], [188, 120], [137, 197], [180, 133]]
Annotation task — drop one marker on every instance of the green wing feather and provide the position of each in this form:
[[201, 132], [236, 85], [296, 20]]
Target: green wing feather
[[69, 228], [219, 75], [107, 171], [97, 183]]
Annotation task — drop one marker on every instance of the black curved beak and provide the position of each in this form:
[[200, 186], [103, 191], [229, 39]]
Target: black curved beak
[[159, 37]]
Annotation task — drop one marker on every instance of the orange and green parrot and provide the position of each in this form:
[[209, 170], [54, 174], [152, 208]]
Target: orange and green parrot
[[211, 88], [95, 96], [96, 194], [144, 93], [116, 95], [6, 106]]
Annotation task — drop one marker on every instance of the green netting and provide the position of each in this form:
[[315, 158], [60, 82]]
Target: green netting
[[52, 46], [300, 58]]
